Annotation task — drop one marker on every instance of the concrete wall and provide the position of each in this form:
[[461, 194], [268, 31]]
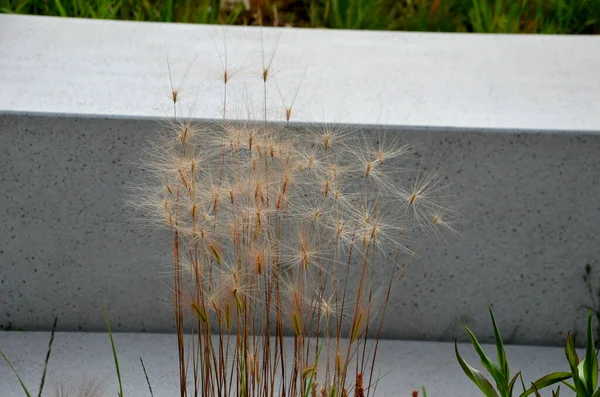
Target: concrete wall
[[513, 122]]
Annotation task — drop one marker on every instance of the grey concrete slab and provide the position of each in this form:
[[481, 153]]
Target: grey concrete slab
[[512, 120], [69, 246], [410, 364], [74, 66]]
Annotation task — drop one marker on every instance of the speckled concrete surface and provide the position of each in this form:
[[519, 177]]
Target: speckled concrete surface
[[93, 67], [410, 364], [75, 104], [530, 203]]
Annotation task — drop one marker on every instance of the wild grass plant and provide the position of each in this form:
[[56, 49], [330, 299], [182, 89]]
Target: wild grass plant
[[280, 230]]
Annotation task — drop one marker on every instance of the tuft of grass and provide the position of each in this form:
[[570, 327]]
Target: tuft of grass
[[279, 230]]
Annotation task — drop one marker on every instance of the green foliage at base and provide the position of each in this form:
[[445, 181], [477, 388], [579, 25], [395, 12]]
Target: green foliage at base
[[482, 16], [584, 373]]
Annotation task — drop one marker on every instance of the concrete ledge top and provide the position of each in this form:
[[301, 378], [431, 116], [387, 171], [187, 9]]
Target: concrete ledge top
[[408, 365], [108, 68]]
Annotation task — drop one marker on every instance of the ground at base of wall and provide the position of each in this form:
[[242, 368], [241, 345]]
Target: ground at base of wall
[[75, 356]]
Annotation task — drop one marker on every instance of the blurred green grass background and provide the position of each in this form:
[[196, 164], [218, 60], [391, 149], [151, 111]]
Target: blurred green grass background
[[481, 16]]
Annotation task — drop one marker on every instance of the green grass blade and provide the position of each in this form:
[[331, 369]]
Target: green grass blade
[[424, 391], [61, 9], [475, 15], [476, 377], [557, 392], [498, 16], [522, 383], [112, 343], [169, 11], [312, 375], [146, 375], [16, 374], [547, 380], [590, 366], [489, 17], [493, 369], [47, 357]]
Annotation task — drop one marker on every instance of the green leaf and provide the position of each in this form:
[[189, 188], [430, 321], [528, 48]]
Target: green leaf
[[502, 361], [16, 373], [424, 391], [557, 392], [574, 363], [596, 393], [590, 366], [571, 354], [493, 369], [547, 380], [476, 377]]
